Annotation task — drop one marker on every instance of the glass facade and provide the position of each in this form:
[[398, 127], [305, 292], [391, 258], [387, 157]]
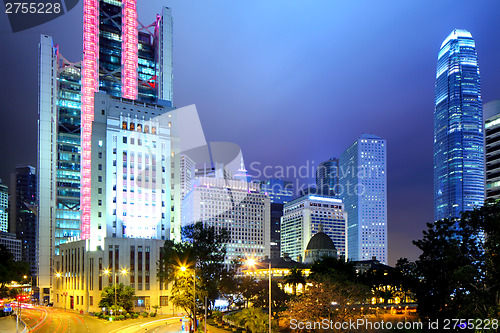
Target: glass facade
[[363, 188], [458, 128], [68, 155], [327, 176]]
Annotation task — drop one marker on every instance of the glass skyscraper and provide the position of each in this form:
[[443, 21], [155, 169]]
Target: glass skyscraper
[[458, 128]]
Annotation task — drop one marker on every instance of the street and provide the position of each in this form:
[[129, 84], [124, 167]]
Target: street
[[50, 320]]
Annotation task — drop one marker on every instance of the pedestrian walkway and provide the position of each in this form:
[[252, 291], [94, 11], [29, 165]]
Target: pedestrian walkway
[[8, 325]]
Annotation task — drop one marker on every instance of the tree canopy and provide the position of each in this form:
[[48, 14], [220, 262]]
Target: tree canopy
[[459, 267], [125, 296]]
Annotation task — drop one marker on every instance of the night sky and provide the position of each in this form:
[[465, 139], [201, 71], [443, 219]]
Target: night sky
[[292, 82]]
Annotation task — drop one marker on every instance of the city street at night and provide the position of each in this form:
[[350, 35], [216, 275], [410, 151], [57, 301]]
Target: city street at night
[[46, 319]]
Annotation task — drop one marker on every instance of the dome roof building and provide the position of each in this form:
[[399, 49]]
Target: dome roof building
[[319, 246]]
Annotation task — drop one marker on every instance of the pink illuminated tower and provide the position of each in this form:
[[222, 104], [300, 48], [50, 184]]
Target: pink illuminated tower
[[101, 71], [122, 58]]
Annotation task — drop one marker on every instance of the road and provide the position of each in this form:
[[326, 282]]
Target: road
[[50, 320]]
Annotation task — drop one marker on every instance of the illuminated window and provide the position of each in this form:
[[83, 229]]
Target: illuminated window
[[124, 125]]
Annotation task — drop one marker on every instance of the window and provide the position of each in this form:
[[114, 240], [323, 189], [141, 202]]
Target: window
[[99, 179], [124, 139], [100, 154], [99, 166]]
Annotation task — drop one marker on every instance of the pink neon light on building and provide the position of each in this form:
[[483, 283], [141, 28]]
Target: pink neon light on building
[[89, 86], [129, 49]]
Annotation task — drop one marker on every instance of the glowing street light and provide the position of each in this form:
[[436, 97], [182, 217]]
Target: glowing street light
[[184, 269], [107, 272], [251, 262]]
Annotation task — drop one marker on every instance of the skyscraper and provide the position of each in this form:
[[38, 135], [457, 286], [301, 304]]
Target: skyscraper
[[22, 212], [4, 208], [458, 128], [492, 131], [327, 176], [279, 192], [122, 58], [363, 188]]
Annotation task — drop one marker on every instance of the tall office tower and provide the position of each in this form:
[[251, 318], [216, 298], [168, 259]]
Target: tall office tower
[[492, 130], [305, 216], [458, 128], [130, 207], [4, 207], [327, 176], [23, 217], [122, 57], [363, 188], [279, 192], [233, 204]]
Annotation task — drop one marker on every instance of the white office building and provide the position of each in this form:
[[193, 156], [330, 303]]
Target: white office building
[[305, 216], [235, 205], [363, 188]]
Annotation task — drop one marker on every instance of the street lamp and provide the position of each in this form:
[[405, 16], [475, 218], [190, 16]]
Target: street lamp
[[251, 262], [107, 272], [184, 269], [65, 293]]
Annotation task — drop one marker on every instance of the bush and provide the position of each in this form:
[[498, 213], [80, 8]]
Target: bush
[[135, 315], [152, 314], [121, 317], [127, 315], [145, 314], [105, 317]]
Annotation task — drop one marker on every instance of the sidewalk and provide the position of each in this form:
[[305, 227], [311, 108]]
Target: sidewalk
[[8, 325]]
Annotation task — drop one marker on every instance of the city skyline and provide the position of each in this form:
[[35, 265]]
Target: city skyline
[[298, 88]]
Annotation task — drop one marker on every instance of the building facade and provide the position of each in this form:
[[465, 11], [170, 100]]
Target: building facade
[[4, 208], [458, 128], [23, 219], [306, 216], [235, 205], [121, 58], [12, 244], [363, 189], [279, 192], [492, 130], [327, 176]]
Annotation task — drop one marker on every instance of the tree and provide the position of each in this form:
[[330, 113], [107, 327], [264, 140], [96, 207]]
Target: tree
[[253, 319], [327, 298], [294, 278], [124, 297], [260, 294], [202, 251], [336, 269], [460, 266], [10, 270]]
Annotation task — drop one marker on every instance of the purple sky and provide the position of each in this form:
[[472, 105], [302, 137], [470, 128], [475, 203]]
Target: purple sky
[[291, 82]]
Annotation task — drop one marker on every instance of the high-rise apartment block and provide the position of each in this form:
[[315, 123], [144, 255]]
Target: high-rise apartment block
[[305, 216], [363, 189], [458, 128], [23, 219]]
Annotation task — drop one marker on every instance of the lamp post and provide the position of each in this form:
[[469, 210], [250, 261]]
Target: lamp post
[[252, 263], [65, 294], [183, 268], [107, 272]]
